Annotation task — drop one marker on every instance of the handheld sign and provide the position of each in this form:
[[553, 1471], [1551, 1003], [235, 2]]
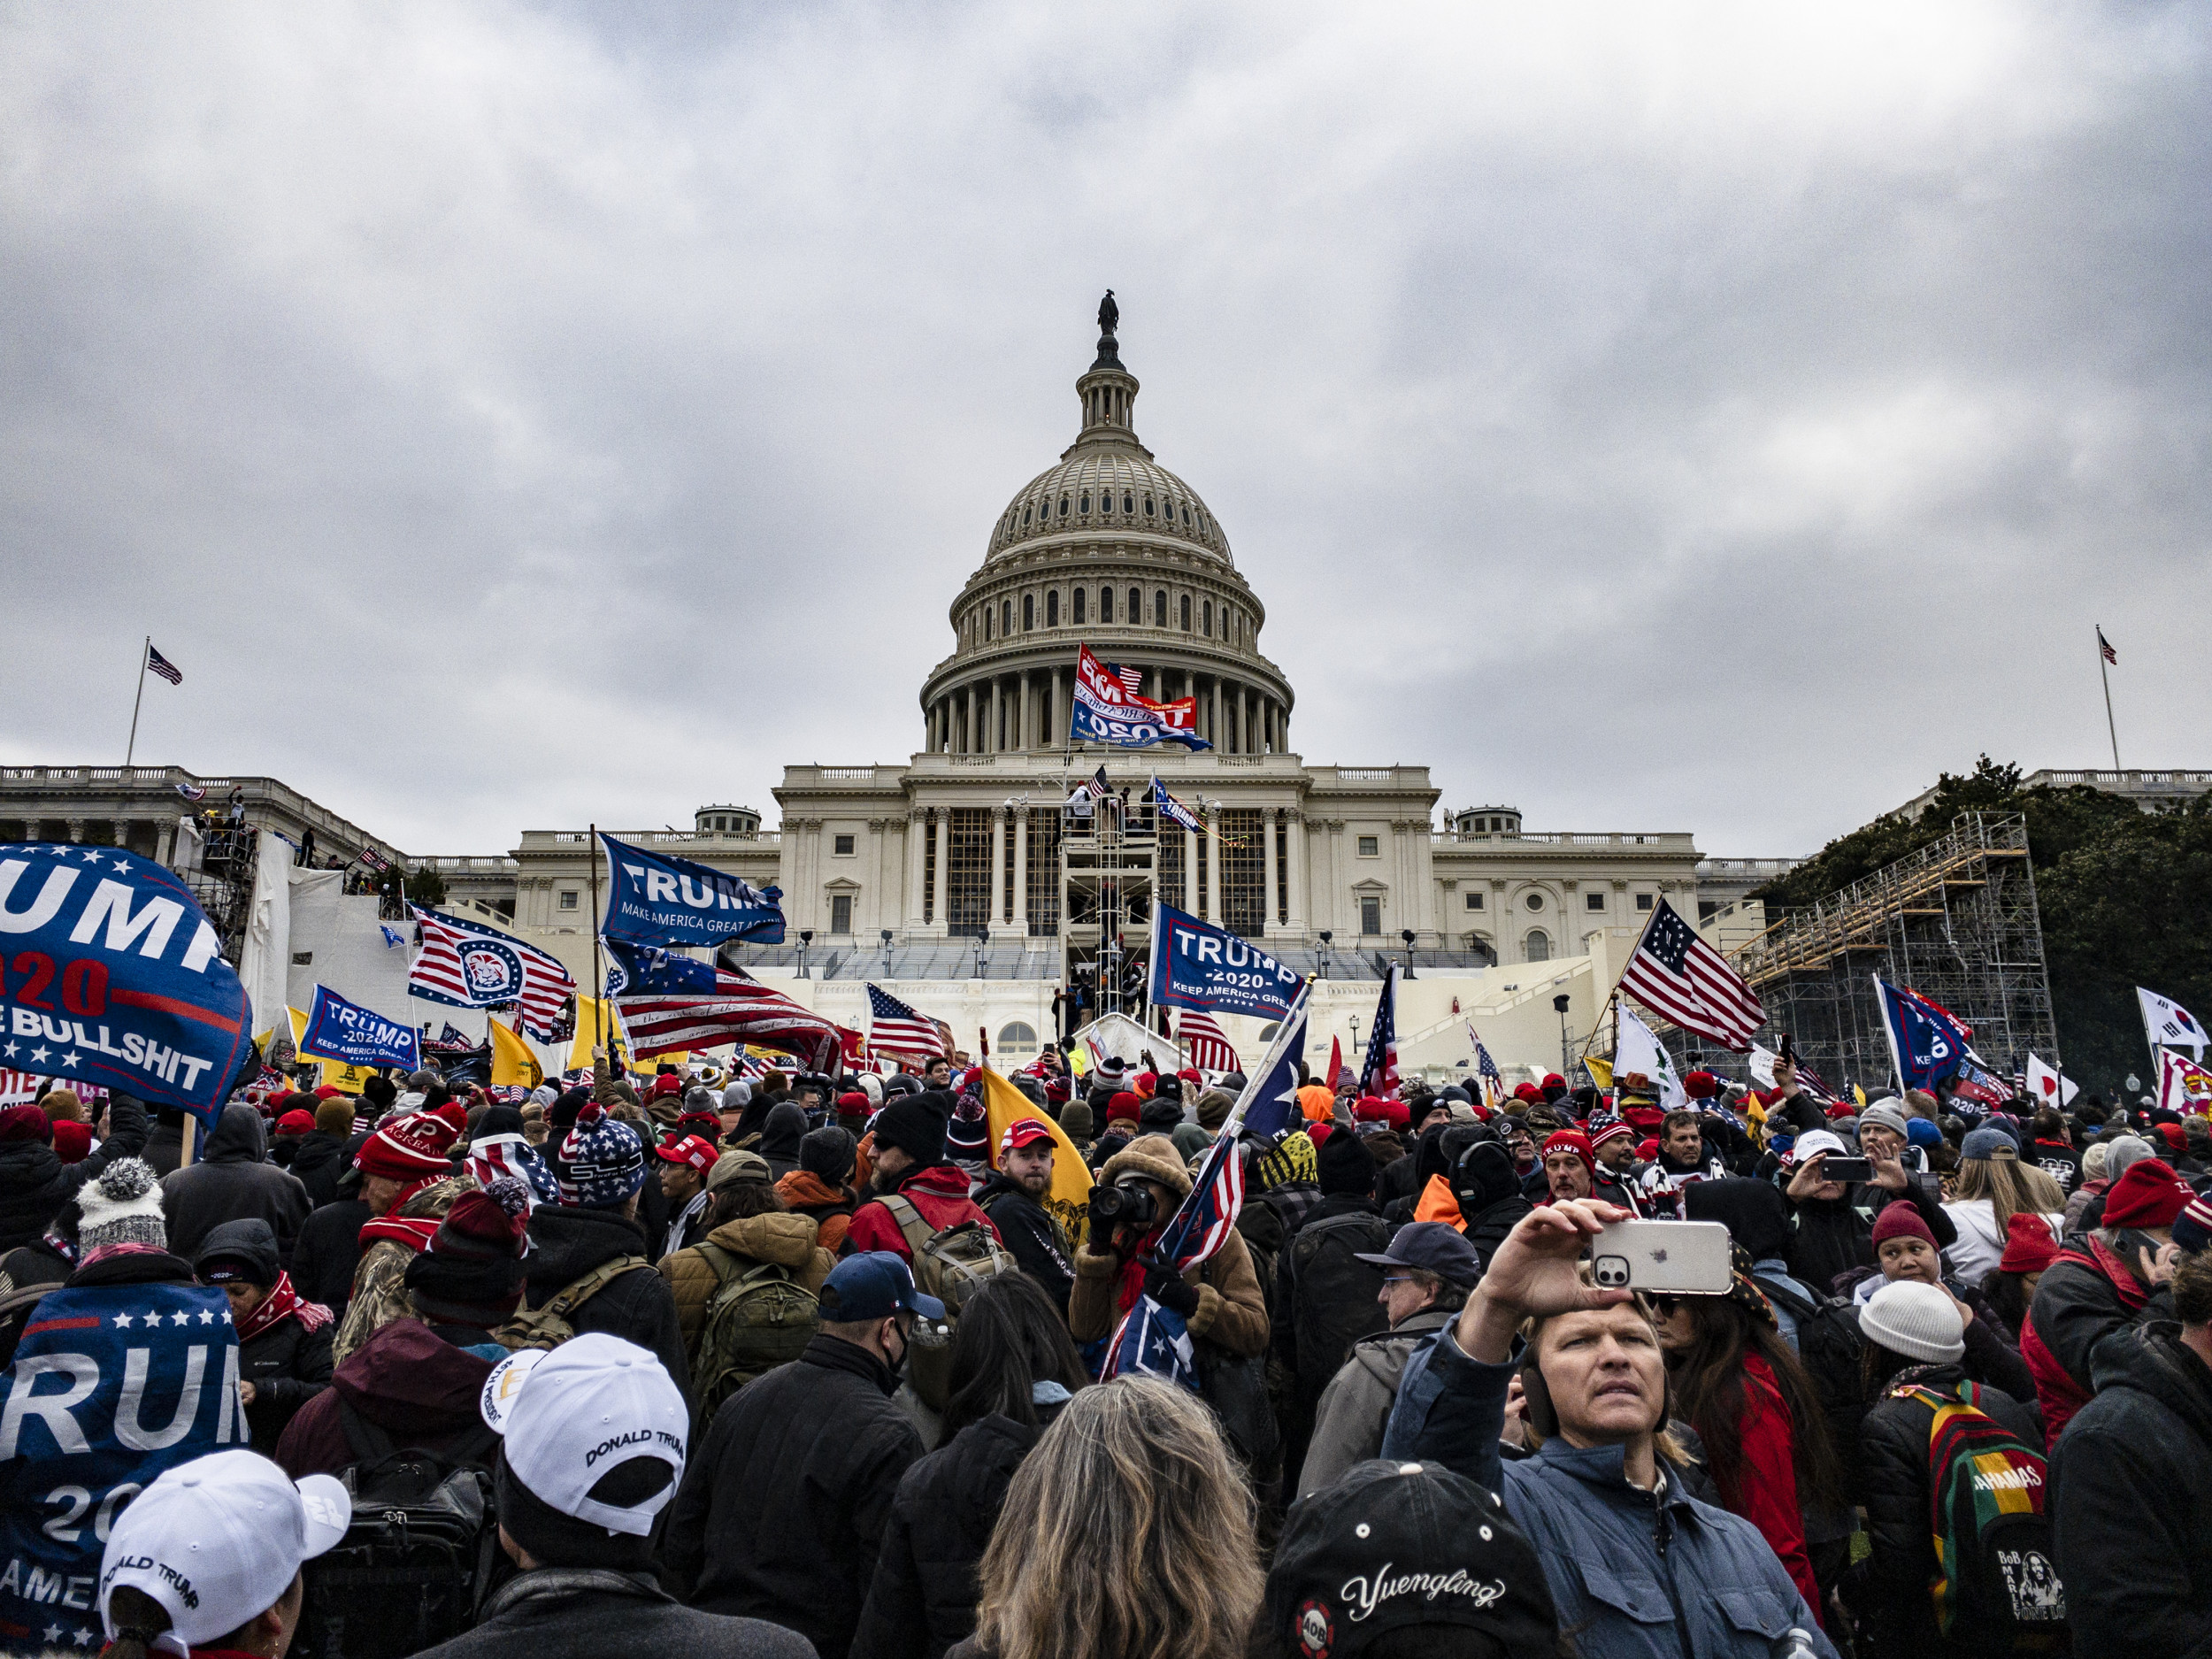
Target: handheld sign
[[110, 971], [343, 1031]]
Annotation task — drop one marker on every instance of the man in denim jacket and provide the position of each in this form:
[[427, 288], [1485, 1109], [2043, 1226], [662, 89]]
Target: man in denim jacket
[[1637, 1567]]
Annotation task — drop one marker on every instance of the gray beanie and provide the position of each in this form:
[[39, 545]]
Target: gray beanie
[[1887, 1114], [122, 1206], [2126, 1149], [1918, 1321]]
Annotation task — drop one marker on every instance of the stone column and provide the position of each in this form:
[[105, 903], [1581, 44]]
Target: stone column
[[912, 908], [164, 839], [1282, 728], [1244, 730], [1026, 737], [123, 833], [1213, 863], [1190, 872], [76, 829], [1056, 731], [1020, 918], [1299, 921], [998, 862], [975, 726], [944, 849], [1213, 718]]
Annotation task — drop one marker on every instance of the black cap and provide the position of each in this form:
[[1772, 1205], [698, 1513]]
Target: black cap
[[1392, 1545], [1434, 1246]]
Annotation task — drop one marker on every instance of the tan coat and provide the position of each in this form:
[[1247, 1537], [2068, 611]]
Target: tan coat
[[779, 1237], [1232, 1314]]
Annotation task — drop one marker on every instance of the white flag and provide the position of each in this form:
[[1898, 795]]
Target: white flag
[[2168, 1022], [2181, 1088], [1760, 1065], [2048, 1088], [1638, 1050]]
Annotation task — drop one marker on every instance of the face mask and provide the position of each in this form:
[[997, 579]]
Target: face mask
[[906, 1347]]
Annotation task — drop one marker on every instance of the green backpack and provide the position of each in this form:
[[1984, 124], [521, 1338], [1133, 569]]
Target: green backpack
[[760, 1317], [949, 1265]]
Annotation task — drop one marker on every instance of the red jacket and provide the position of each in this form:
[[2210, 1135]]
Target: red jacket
[[412, 1383], [1764, 1491], [939, 1191]]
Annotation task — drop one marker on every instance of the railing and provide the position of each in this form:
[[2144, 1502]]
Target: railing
[[1670, 840], [263, 791], [655, 838]]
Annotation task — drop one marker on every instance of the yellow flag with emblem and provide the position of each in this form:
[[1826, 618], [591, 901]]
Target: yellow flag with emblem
[[1068, 1202], [513, 1065]]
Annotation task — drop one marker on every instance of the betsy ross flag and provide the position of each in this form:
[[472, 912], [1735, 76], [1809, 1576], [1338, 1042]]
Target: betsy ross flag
[[1205, 1045], [2104, 645], [466, 965], [163, 666], [672, 1003], [1681, 978], [894, 1028], [1379, 1072]]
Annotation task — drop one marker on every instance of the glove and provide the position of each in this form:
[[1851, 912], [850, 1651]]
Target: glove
[[1168, 1289]]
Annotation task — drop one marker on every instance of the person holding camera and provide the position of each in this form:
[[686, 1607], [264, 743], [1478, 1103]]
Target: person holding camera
[[1137, 1192], [1636, 1565]]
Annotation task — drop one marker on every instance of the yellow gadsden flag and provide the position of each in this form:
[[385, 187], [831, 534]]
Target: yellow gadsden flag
[[1068, 1201], [513, 1065]]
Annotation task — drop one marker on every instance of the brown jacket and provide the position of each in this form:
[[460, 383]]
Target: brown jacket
[[782, 1238], [1232, 1314], [803, 1190]]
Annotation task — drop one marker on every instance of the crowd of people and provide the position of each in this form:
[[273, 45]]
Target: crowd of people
[[700, 1362]]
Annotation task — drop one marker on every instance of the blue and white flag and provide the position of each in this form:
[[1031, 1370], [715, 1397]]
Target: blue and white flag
[[1174, 811], [1152, 1342], [392, 935], [657, 900], [112, 1385], [645, 969], [1195, 964], [1925, 1042], [342, 1031], [113, 976]]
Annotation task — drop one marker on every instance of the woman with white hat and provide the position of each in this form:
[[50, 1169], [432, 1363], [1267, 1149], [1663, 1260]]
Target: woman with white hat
[[206, 1560]]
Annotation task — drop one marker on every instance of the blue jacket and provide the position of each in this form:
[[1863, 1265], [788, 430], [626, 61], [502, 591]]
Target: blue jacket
[[1633, 1575]]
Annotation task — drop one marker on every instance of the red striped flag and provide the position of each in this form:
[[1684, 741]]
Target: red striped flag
[[739, 1008], [1682, 978], [1204, 1044], [465, 965], [894, 1028]]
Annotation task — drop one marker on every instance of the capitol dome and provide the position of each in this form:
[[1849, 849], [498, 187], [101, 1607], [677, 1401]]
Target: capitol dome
[[1109, 549]]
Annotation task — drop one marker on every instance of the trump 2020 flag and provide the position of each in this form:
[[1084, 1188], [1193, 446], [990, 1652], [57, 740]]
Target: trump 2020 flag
[[1925, 1042], [340, 1030], [110, 973], [2169, 1023], [657, 900], [1195, 964], [1106, 711]]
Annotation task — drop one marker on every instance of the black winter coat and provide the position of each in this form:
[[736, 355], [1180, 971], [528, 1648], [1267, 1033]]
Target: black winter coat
[[317, 1161], [2131, 1501], [923, 1600], [567, 1243], [782, 1515], [1894, 1454], [1033, 1235], [288, 1364], [233, 1182], [328, 1250], [1831, 1236], [34, 1184], [586, 1613], [1487, 1229]]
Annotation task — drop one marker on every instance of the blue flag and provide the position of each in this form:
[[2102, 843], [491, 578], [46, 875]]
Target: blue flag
[[1926, 1044], [340, 1030], [114, 976], [1154, 1341], [657, 900], [645, 971], [1272, 1107], [1195, 964], [112, 1385]]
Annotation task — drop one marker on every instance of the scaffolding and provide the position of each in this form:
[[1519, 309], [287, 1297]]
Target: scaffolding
[[1956, 921], [1108, 865]]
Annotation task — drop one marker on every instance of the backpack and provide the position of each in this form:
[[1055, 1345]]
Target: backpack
[[548, 1326], [948, 1265], [760, 1317], [1997, 1588], [1832, 1352], [1332, 1294], [420, 1555]]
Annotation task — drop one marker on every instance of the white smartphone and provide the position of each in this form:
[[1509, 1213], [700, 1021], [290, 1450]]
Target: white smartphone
[[1682, 1258]]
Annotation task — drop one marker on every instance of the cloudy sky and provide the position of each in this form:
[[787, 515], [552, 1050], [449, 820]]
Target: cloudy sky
[[1716, 418]]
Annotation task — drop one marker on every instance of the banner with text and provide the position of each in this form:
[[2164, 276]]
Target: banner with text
[[1107, 711], [114, 975], [1195, 964], [657, 900], [340, 1030]]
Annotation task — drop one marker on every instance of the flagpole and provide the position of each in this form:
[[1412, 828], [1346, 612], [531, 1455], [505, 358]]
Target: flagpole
[[148, 647], [2104, 672], [598, 968], [2147, 1036]]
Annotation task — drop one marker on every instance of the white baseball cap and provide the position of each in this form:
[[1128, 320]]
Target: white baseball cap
[[218, 1540], [1816, 1142], [568, 1415]]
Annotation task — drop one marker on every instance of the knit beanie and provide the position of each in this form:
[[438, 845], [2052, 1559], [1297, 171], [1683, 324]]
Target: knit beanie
[[1159, 1116], [1483, 1176], [26, 1123], [2028, 1246], [472, 1272], [1347, 1167], [1075, 1118], [122, 1205], [916, 1124], [2150, 1194], [1214, 1107], [1290, 1162], [1902, 1220], [827, 1153], [1575, 1141], [72, 1142], [1889, 1116], [1315, 1103], [62, 1105], [1918, 1321], [602, 1161], [2192, 1227], [1696, 1085], [408, 1148], [1123, 1108]]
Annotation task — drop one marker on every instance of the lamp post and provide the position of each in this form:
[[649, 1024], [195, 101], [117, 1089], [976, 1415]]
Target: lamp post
[[982, 945], [806, 938], [1560, 1004], [1406, 933], [1325, 937], [886, 953]]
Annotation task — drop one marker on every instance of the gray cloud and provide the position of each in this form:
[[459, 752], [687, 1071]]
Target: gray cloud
[[1717, 418]]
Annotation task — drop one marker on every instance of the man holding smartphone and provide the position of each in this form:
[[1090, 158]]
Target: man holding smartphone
[[1623, 1544]]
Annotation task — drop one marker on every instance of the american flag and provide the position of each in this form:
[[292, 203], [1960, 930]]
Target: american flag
[[1679, 976], [1096, 786], [1132, 678], [440, 974], [699, 1006], [2104, 645], [894, 1028], [1205, 1045], [1485, 1066], [1379, 1072], [171, 672]]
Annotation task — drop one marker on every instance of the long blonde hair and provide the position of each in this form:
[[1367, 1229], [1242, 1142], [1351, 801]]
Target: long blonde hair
[[2010, 1186], [1128, 1533]]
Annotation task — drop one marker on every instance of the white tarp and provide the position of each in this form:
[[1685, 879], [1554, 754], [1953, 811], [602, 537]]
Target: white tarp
[[264, 956]]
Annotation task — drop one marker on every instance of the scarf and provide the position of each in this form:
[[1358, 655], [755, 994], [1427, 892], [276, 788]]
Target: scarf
[[674, 1240], [1137, 1269], [414, 1232], [282, 1303]]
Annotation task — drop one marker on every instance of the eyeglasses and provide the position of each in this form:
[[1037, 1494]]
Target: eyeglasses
[[1663, 1305], [1401, 1278]]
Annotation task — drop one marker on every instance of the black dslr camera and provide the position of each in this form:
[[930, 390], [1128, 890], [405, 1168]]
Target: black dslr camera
[[1127, 1203]]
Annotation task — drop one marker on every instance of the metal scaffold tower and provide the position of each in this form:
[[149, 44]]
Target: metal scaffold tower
[[1956, 922], [1107, 860]]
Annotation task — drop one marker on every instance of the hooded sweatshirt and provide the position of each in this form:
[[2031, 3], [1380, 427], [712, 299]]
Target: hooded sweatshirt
[[234, 1181]]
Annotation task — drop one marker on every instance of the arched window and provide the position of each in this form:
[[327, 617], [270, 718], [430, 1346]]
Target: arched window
[[1083, 504], [1063, 506], [1537, 945], [1105, 605], [1135, 612], [1029, 612], [1052, 609], [1005, 618], [1077, 615], [1128, 502], [1186, 608], [1025, 512], [1147, 506], [1209, 618], [1016, 1037], [1186, 518], [1159, 608], [987, 622]]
